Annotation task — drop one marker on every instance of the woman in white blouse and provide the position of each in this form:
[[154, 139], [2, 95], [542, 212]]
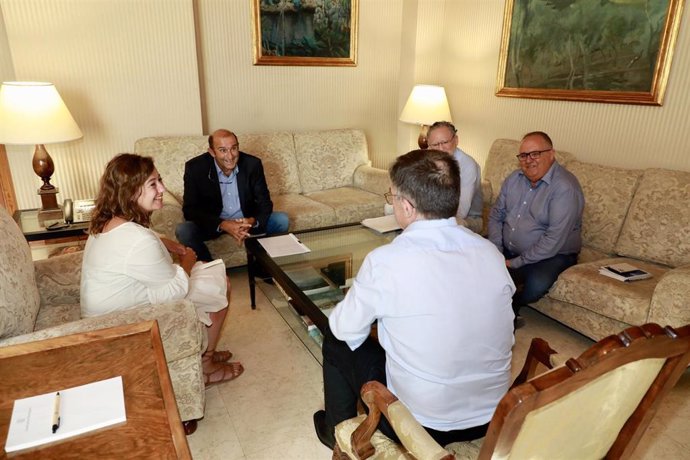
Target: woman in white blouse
[[127, 265]]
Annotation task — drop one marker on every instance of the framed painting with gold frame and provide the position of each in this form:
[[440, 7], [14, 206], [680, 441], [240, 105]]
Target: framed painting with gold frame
[[305, 32], [616, 51]]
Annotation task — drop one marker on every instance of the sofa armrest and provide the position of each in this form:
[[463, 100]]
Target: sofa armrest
[[487, 193], [670, 299], [58, 279], [165, 220], [180, 329], [372, 179]]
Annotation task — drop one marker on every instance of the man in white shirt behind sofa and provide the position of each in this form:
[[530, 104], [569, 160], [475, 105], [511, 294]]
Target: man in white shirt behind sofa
[[441, 297]]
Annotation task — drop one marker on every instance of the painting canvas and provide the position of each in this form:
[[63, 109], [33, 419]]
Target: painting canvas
[[305, 32], [589, 50]]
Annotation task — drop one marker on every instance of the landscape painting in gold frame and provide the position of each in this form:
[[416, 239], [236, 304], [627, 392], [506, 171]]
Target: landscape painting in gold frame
[[616, 51], [305, 32]]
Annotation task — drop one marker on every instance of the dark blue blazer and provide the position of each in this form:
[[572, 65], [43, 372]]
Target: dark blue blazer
[[202, 202]]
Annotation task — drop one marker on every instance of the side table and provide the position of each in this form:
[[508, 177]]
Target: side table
[[27, 219], [153, 428]]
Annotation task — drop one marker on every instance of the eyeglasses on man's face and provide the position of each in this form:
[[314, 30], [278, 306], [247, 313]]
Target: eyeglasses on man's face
[[436, 145], [533, 155], [390, 195]]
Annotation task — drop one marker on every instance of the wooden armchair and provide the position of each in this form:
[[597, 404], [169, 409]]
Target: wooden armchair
[[597, 405]]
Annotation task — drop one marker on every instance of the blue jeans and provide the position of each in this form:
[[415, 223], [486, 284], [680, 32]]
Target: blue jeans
[[193, 236], [534, 280]]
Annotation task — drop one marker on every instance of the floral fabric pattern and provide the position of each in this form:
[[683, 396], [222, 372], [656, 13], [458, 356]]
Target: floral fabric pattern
[[608, 192], [583, 285], [328, 159], [350, 204], [19, 298], [657, 227]]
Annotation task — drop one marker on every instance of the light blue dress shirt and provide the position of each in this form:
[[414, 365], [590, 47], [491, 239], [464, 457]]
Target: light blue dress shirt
[[538, 222], [230, 194], [442, 297]]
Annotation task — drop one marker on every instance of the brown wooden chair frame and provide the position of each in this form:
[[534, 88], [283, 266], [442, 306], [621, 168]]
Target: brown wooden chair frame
[[527, 393]]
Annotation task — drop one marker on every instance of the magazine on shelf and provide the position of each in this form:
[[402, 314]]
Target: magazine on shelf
[[624, 272]]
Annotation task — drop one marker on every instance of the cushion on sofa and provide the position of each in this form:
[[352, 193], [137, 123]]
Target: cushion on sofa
[[328, 159], [502, 161], [304, 213], [608, 192], [170, 154], [657, 227], [350, 204], [19, 299], [582, 285], [277, 154]]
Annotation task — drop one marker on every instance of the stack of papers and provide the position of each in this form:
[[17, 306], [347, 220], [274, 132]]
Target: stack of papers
[[382, 224], [283, 245], [624, 272], [79, 410]]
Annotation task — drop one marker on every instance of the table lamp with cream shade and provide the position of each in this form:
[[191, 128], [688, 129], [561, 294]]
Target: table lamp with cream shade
[[426, 105], [34, 113]]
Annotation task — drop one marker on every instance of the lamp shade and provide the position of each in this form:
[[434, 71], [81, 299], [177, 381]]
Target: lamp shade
[[34, 113], [426, 105]]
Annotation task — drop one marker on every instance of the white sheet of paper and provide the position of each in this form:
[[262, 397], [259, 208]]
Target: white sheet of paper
[[283, 245], [82, 409], [382, 224]]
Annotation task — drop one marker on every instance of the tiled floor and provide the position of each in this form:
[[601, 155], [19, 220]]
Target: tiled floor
[[267, 412]]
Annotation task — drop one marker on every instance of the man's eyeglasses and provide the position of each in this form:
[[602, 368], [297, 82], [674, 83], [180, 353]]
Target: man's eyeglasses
[[534, 155], [436, 145], [389, 198]]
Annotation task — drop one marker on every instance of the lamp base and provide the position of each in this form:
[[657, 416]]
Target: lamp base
[[49, 207], [421, 140]]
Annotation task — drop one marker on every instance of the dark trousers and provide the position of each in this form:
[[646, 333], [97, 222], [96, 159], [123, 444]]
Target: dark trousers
[[344, 373], [534, 280]]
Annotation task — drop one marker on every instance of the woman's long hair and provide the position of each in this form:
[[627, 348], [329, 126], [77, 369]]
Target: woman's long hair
[[120, 188]]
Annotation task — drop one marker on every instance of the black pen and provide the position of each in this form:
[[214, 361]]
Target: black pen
[[56, 412]]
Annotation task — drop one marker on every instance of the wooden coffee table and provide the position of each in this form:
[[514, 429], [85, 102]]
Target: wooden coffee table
[[153, 428]]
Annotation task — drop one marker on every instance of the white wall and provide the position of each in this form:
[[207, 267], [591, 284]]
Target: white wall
[[630, 136], [126, 69], [244, 97]]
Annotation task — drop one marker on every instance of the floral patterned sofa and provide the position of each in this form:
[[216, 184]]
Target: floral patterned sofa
[[319, 178], [637, 216], [40, 300]]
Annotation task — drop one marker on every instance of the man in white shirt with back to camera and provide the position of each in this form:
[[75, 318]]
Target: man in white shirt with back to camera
[[441, 298], [443, 136]]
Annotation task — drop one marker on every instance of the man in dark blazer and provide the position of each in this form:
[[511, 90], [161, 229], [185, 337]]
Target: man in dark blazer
[[225, 191]]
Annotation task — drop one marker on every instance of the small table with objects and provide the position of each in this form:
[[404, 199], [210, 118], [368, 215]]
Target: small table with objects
[[27, 219]]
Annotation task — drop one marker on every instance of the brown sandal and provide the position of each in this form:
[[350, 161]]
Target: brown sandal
[[218, 356], [223, 373]]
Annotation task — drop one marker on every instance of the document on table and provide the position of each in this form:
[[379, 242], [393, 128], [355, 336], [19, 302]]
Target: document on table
[[75, 411], [283, 245], [382, 224]]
